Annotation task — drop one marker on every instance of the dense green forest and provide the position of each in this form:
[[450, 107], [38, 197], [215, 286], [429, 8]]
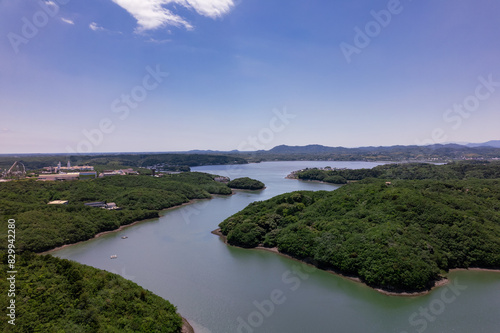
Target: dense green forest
[[246, 183], [450, 171], [399, 236], [54, 295], [42, 227], [58, 295]]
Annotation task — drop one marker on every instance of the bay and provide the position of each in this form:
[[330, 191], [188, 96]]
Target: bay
[[219, 288]]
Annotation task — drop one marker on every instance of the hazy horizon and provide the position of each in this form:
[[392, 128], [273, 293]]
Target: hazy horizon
[[226, 151], [172, 75]]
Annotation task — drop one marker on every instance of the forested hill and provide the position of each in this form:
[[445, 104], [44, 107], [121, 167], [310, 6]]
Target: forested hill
[[399, 236], [450, 171]]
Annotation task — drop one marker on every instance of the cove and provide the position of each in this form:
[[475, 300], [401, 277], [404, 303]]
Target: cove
[[220, 288]]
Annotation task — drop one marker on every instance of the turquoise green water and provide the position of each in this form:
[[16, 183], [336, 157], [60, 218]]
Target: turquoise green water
[[225, 289]]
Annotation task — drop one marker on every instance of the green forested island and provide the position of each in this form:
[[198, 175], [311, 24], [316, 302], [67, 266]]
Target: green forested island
[[58, 295], [399, 235], [246, 183]]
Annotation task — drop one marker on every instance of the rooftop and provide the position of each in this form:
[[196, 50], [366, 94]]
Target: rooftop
[[58, 202]]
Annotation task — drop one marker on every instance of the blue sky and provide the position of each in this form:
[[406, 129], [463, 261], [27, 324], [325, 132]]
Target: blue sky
[[76, 76]]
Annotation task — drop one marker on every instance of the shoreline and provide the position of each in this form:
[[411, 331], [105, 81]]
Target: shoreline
[[120, 228], [437, 284], [477, 269], [275, 250], [186, 326], [319, 181]]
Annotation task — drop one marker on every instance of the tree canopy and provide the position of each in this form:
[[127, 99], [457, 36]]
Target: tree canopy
[[42, 227], [55, 295], [399, 236], [455, 170], [58, 295], [246, 183]]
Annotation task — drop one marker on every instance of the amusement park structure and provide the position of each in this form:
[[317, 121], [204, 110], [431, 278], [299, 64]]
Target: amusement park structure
[[17, 170]]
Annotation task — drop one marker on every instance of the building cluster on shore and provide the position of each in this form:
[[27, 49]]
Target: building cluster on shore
[[103, 204], [79, 172], [67, 176], [96, 204], [121, 172], [68, 168], [67, 172]]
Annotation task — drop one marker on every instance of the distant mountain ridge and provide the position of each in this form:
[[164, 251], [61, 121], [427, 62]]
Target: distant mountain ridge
[[314, 152], [435, 152], [491, 143], [320, 149]]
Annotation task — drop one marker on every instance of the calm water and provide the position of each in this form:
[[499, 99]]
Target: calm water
[[224, 289]]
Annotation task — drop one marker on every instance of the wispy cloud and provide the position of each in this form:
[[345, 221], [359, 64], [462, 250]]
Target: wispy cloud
[[158, 41], [95, 27], [152, 14], [68, 21], [98, 28]]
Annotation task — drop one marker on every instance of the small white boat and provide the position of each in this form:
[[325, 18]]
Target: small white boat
[[124, 237], [114, 256]]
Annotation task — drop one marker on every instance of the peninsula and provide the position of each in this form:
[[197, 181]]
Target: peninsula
[[395, 234]]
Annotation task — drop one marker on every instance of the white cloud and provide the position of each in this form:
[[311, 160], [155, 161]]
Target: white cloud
[[151, 14], [65, 20], [210, 8], [96, 27]]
